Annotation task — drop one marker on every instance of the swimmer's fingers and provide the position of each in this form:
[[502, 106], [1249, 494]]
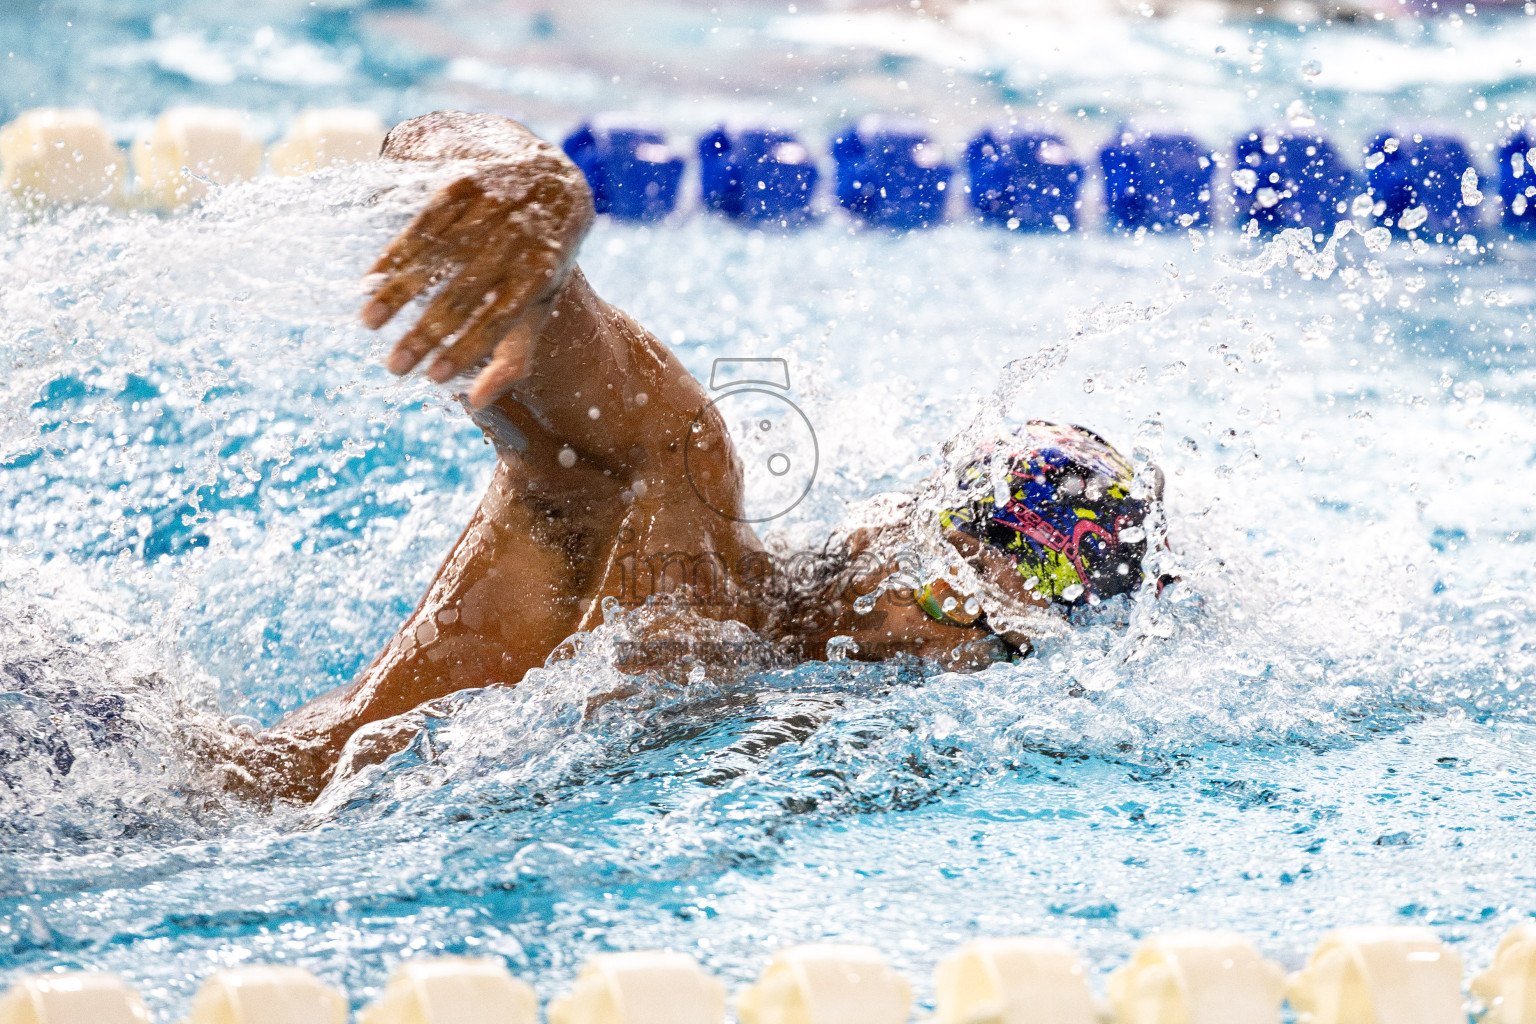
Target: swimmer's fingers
[[478, 338], [505, 251], [481, 285], [520, 298], [429, 226], [395, 293], [415, 258], [480, 304], [509, 362], [429, 262]]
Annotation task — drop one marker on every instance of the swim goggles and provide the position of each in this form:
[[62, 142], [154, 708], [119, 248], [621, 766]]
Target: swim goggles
[[942, 603]]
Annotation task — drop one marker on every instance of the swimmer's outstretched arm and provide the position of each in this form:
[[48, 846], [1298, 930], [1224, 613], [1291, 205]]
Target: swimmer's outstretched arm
[[589, 414]]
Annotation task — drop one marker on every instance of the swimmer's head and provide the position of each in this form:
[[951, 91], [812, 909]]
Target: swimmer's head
[[1055, 502]]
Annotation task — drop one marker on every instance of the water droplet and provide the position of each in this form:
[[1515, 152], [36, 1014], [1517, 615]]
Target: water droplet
[[1470, 195], [1088, 385], [840, 647], [1311, 68], [1377, 239], [611, 610]]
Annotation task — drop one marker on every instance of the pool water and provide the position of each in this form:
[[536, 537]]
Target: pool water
[[218, 500]]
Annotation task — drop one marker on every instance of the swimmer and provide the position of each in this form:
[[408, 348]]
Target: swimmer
[[591, 416]]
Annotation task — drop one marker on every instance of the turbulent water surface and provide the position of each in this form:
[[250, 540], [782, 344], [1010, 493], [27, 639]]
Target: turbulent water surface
[[216, 498], [217, 501]]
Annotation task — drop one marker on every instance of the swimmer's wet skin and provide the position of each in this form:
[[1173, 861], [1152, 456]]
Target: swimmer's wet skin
[[590, 416]]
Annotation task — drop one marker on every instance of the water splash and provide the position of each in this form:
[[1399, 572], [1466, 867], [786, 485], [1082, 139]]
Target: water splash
[[199, 443]]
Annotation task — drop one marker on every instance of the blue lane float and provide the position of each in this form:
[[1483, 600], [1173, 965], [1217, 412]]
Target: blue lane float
[[1026, 180], [757, 174], [1158, 182], [1517, 185], [1411, 173], [890, 173], [1290, 181], [633, 173]]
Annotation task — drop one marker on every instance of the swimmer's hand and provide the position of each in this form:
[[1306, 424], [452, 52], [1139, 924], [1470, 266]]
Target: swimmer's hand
[[257, 768], [501, 241]]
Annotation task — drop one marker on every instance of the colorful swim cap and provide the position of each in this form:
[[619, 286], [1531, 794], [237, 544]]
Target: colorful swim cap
[[1070, 525]]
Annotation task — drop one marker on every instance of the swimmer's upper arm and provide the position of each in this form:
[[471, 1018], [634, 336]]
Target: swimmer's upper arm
[[604, 391]]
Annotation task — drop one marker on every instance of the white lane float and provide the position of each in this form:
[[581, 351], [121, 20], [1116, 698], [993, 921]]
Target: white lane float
[[267, 995], [1382, 975], [453, 990], [641, 988], [325, 138], [1507, 989], [826, 984], [72, 997], [60, 155], [1197, 978], [190, 150], [1014, 981]]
